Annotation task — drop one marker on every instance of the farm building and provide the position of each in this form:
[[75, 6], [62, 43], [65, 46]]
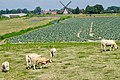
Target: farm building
[[53, 12], [14, 15], [45, 12], [48, 12]]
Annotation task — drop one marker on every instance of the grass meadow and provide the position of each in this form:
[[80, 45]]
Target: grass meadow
[[17, 24], [74, 61]]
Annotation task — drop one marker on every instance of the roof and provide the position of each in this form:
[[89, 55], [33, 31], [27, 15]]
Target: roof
[[19, 14]]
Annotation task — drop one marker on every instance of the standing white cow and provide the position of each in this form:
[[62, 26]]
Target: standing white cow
[[5, 66], [53, 52], [111, 43]]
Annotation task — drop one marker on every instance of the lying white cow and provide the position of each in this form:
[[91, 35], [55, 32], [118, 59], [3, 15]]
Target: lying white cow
[[53, 52], [5, 66], [29, 58], [111, 43]]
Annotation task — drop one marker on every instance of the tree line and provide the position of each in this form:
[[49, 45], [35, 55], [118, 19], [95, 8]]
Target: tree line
[[96, 9], [37, 10]]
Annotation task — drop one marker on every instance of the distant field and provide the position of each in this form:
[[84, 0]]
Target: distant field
[[96, 15], [74, 29], [17, 24], [74, 61]]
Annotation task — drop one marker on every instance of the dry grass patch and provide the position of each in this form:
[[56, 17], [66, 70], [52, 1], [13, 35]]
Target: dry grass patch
[[17, 24]]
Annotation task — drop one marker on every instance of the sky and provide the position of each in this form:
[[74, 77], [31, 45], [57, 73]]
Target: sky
[[54, 4]]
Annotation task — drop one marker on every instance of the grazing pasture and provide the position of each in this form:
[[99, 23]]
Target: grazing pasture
[[17, 24], [74, 61], [74, 29]]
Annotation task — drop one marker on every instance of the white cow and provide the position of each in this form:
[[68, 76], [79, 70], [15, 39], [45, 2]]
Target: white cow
[[111, 43], [5, 66]]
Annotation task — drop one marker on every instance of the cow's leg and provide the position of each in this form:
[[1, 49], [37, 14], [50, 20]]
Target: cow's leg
[[104, 47], [111, 48], [28, 62], [27, 67], [52, 54], [101, 47], [34, 66]]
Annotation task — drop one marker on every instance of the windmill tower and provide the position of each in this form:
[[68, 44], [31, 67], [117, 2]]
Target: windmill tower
[[66, 9]]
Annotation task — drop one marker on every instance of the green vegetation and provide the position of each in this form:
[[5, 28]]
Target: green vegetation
[[113, 9], [3, 18], [74, 29], [77, 59], [17, 24], [97, 9], [29, 24], [74, 61]]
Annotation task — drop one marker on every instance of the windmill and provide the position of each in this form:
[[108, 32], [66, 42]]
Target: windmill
[[66, 9]]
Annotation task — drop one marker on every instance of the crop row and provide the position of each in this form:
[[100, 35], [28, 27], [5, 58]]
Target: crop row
[[74, 29]]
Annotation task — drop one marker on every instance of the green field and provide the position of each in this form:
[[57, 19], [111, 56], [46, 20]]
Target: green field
[[74, 61], [74, 29], [17, 24]]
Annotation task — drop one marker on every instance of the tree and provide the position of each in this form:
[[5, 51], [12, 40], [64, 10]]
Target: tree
[[7, 11], [77, 10], [91, 10], [13, 11], [25, 10], [2, 12], [82, 11], [19, 10], [113, 9], [37, 10], [99, 8]]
